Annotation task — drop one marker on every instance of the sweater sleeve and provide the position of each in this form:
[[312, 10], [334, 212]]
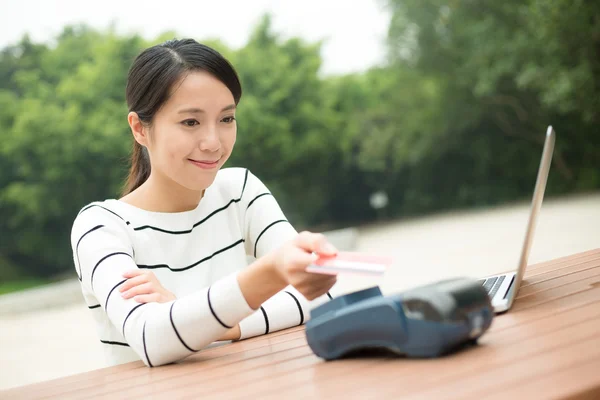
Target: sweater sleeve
[[267, 228], [160, 333]]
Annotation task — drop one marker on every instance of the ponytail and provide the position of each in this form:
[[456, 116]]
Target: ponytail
[[140, 168]]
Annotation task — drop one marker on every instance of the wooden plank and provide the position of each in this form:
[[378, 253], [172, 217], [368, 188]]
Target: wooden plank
[[559, 271], [591, 275], [300, 382], [216, 380], [574, 382], [509, 334], [199, 366], [560, 304], [565, 259], [109, 376], [518, 372], [555, 293], [57, 386], [552, 322], [410, 376], [474, 371], [525, 353]]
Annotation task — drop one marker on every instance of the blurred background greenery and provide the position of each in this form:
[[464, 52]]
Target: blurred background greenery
[[455, 118]]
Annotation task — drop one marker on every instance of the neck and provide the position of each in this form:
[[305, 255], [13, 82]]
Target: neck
[[161, 195]]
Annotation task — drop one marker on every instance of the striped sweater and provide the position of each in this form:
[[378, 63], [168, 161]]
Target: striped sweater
[[196, 255]]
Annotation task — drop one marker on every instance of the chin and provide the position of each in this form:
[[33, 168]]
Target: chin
[[200, 183]]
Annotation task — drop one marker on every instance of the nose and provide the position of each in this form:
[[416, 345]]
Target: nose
[[210, 141]]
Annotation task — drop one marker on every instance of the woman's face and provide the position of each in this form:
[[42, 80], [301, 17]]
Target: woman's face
[[193, 134]]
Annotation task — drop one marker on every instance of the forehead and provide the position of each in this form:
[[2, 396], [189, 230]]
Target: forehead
[[201, 90]]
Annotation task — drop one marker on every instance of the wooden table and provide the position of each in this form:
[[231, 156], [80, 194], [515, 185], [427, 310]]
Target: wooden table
[[547, 346]]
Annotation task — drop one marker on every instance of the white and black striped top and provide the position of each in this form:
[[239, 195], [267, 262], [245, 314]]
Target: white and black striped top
[[196, 255]]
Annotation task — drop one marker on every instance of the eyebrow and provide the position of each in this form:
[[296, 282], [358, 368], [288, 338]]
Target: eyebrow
[[200, 111]]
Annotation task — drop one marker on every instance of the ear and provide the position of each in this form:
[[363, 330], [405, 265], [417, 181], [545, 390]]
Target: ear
[[139, 131]]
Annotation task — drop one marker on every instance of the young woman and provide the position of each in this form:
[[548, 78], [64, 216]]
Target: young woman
[[164, 268]]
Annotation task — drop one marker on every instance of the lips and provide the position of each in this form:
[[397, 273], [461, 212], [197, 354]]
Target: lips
[[204, 164], [204, 161]]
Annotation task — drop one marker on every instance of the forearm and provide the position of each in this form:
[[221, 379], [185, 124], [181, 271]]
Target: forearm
[[255, 285], [161, 333]]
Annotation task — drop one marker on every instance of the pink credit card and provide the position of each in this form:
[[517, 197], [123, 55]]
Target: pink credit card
[[350, 262]]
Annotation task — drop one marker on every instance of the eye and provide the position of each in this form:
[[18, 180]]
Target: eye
[[228, 120], [190, 122]]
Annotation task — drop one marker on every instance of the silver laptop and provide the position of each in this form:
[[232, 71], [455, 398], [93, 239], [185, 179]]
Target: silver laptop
[[503, 289]]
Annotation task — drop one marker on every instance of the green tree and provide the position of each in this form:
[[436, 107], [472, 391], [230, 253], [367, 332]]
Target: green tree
[[64, 141], [286, 132], [510, 68]]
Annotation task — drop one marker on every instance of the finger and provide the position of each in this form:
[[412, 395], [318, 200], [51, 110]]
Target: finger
[[322, 283], [315, 242], [133, 272], [301, 259], [145, 288], [325, 248], [148, 298], [131, 282], [308, 241], [328, 284], [310, 295], [320, 289], [325, 280], [315, 285]]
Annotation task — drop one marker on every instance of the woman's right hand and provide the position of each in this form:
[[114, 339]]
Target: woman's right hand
[[292, 258]]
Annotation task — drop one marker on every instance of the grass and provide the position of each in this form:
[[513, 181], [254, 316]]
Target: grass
[[15, 286]]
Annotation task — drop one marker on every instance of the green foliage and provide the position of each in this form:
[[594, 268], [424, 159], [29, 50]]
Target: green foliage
[[455, 119], [286, 132], [64, 141], [508, 69]]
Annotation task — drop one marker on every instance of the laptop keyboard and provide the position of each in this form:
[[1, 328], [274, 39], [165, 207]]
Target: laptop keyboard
[[492, 285]]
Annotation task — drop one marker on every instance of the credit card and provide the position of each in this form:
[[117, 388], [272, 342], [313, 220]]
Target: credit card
[[350, 262]]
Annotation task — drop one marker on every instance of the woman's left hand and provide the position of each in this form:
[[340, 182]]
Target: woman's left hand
[[144, 287]]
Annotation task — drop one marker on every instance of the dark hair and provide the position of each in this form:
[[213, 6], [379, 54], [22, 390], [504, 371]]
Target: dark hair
[[151, 78]]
